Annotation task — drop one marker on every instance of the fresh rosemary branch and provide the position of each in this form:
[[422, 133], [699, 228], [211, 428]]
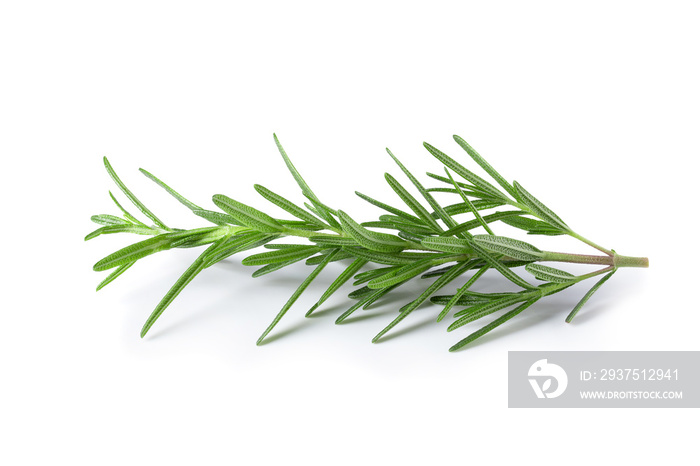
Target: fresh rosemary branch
[[433, 242]]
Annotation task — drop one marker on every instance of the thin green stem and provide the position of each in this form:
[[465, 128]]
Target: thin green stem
[[613, 260], [549, 256], [591, 243], [556, 287]]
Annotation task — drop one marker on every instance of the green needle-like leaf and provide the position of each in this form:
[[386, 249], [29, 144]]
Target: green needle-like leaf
[[108, 220], [440, 212], [269, 268], [532, 226], [283, 246], [127, 215], [365, 300], [322, 210], [122, 228], [247, 215], [190, 205], [400, 275], [216, 217], [485, 309], [540, 210], [549, 274], [236, 244], [393, 223], [351, 270], [448, 244], [305, 189], [399, 227], [588, 295], [470, 205], [437, 284], [487, 328], [136, 251], [332, 240], [463, 208], [465, 300], [510, 247], [466, 226], [502, 268], [354, 307], [412, 237], [461, 291], [359, 293], [112, 276], [468, 189], [298, 225], [281, 255], [401, 258], [476, 303], [197, 266], [131, 195], [434, 273], [389, 208], [198, 237], [368, 275], [296, 295], [485, 165], [412, 203], [474, 179], [378, 295], [338, 256], [380, 242], [293, 209]]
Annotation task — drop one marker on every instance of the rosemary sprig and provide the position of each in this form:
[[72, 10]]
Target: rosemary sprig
[[428, 240]]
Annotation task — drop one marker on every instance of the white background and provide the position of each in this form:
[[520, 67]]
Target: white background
[[593, 106]]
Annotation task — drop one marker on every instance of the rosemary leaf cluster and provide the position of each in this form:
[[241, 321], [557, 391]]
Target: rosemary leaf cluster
[[423, 239]]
